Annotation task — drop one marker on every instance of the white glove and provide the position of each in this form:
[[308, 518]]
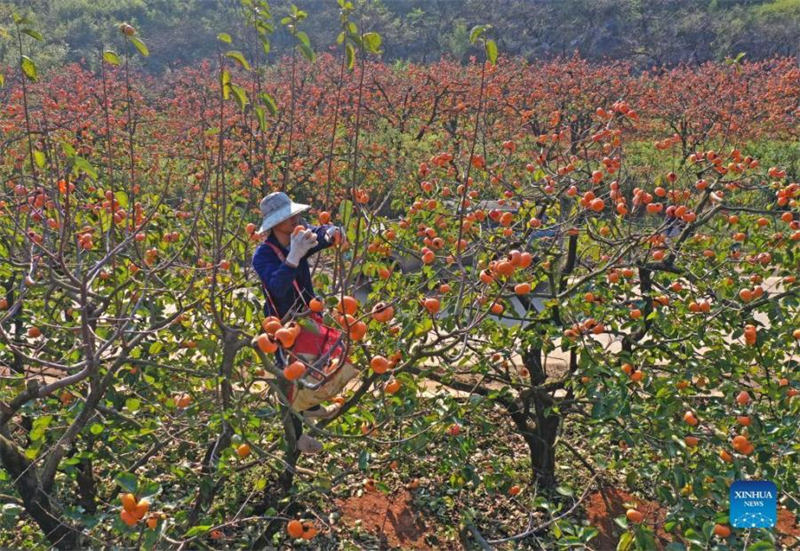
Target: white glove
[[335, 234], [300, 244]]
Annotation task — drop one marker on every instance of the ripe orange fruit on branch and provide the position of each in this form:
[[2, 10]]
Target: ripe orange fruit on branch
[[743, 398], [431, 305], [128, 518], [382, 312], [358, 330], [295, 529], [522, 288], [634, 516], [129, 502], [271, 324], [243, 450], [392, 386], [347, 305], [690, 419], [294, 370], [379, 364], [722, 530], [740, 442], [286, 337], [141, 509], [309, 530], [183, 400], [315, 305], [266, 343], [750, 334]]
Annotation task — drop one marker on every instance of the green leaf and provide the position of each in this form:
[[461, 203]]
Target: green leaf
[[260, 484], [303, 38], [111, 57], [762, 545], [224, 37], [239, 58], [225, 84], [96, 428], [363, 460], [127, 482], [2, 79], [475, 33], [121, 198], [423, 327], [69, 151], [557, 533], [132, 404], [307, 52], [350, 53], [565, 491], [197, 530], [36, 35], [39, 157], [28, 67], [372, 42], [340, 38], [625, 542], [240, 95], [269, 101], [155, 347], [85, 166], [491, 51], [139, 45]]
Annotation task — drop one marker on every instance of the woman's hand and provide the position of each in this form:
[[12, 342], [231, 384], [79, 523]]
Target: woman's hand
[[301, 242]]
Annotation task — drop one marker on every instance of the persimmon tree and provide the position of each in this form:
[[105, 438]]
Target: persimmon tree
[[597, 259]]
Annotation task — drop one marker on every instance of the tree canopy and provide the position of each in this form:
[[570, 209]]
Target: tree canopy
[[657, 32]]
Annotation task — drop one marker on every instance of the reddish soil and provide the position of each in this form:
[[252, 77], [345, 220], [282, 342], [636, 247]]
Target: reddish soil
[[391, 518], [602, 517], [788, 527]]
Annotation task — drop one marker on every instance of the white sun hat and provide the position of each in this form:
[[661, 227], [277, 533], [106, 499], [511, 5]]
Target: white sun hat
[[277, 207]]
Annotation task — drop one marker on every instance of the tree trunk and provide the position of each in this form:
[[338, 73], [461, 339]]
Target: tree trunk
[[36, 501], [541, 437]]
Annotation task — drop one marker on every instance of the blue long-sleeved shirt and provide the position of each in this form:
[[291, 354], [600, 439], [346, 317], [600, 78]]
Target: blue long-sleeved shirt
[[276, 276]]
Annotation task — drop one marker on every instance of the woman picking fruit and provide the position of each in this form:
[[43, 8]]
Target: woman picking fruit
[[281, 262]]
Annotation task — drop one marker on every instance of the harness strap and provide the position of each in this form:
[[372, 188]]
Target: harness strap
[[282, 258]]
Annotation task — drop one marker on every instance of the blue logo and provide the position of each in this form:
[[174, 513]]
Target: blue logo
[[754, 504]]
